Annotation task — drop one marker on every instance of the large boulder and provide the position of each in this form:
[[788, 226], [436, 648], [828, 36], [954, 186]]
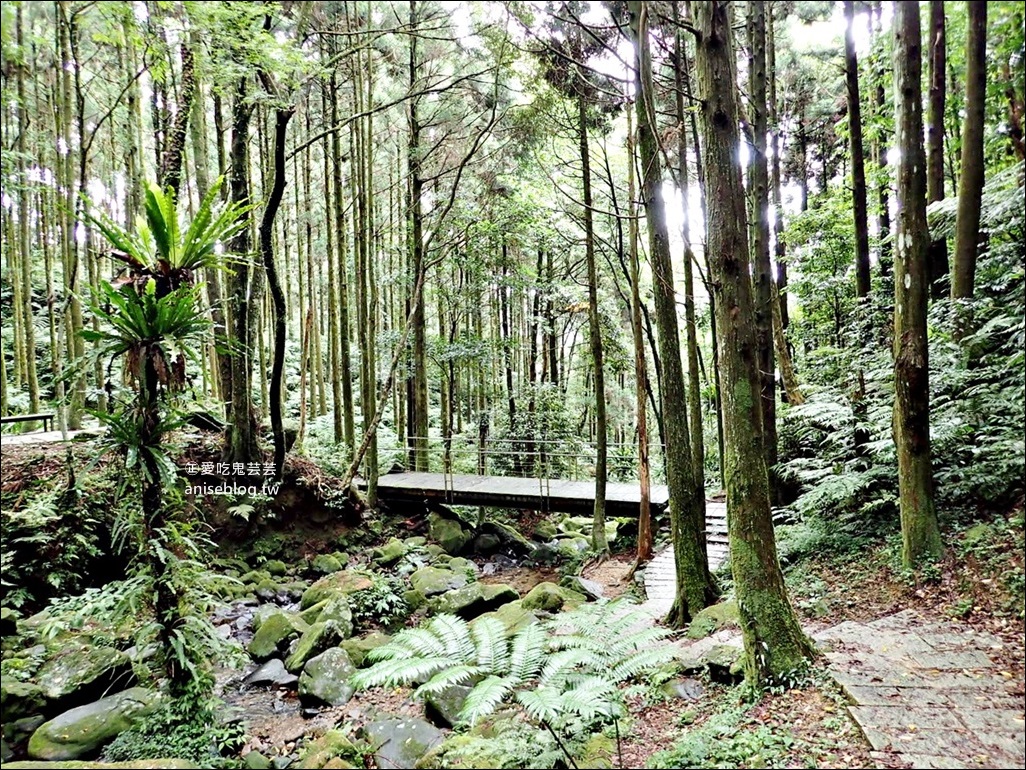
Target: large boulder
[[401, 742], [341, 583], [389, 553], [82, 669], [19, 700], [274, 633], [325, 564], [443, 708], [337, 611], [473, 600], [550, 597], [318, 638], [512, 615], [448, 533], [325, 679], [431, 581], [82, 731], [271, 674]]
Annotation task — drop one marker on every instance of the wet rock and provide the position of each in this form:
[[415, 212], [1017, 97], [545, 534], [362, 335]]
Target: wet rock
[[473, 600], [267, 590], [448, 533], [274, 633], [82, 731], [590, 587], [325, 678], [389, 553], [712, 619], [550, 597], [443, 709], [401, 742], [358, 649], [271, 674], [318, 638], [341, 583], [431, 581]]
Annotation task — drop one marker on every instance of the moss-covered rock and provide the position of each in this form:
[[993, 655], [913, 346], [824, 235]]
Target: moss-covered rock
[[325, 564], [443, 708], [81, 665], [473, 600], [414, 599], [401, 742], [512, 615], [712, 619], [544, 530], [389, 553], [275, 567], [358, 649], [338, 612], [267, 589], [274, 633], [81, 731], [331, 748], [341, 583], [8, 622], [318, 638], [431, 581], [325, 678], [550, 597], [447, 533]]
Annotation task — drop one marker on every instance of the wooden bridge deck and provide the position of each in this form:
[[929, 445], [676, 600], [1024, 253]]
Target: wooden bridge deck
[[510, 492]]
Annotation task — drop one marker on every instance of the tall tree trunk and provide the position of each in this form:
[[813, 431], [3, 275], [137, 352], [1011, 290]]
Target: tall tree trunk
[[24, 241], [880, 158], [170, 174], [242, 436], [970, 187], [858, 166], [763, 273], [695, 586], [920, 534], [598, 521], [417, 383], [681, 76], [645, 539], [937, 255], [775, 647]]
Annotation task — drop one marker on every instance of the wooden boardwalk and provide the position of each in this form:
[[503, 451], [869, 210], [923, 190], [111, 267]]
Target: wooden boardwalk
[[511, 492], [661, 572]]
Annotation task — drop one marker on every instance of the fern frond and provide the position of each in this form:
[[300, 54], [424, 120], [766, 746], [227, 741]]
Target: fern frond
[[491, 639], [483, 699], [529, 648], [591, 698], [411, 643], [453, 633], [643, 660], [400, 671], [447, 678], [560, 663], [542, 703]]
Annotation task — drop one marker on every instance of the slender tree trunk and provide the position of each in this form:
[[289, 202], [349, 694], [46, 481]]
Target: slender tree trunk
[[775, 647], [920, 534], [880, 156], [645, 539], [763, 271], [858, 167], [275, 398], [970, 188], [170, 174], [937, 255], [242, 436], [695, 586], [598, 521]]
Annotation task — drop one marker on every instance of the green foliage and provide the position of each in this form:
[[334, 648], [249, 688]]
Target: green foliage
[[192, 728], [380, 605], [565, 669], [57, 542]]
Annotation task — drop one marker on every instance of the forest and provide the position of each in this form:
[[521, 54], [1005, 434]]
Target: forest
[[405, 383]]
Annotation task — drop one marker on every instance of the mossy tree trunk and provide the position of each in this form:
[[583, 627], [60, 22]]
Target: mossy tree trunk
[[920, 534], [937, 256], [696, 588], [775, 646]]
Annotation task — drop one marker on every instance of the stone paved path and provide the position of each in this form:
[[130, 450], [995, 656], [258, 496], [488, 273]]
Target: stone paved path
[[661, 573], [928, 692]]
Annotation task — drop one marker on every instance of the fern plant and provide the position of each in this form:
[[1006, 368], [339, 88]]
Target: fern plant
[[566, 669]]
